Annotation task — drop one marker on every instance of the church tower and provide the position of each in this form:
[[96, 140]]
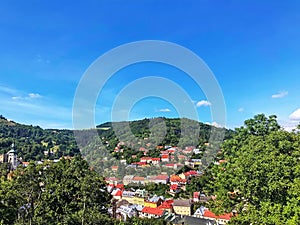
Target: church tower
[[12, 158]]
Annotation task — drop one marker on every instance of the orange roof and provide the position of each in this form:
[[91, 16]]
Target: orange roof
[[25, 163], [175, 178], [153, 211], [161, 177], [165, 156], [210, 214], [139, 178]]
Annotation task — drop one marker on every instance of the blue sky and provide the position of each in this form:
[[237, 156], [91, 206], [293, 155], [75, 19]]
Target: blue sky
[[253, 49]]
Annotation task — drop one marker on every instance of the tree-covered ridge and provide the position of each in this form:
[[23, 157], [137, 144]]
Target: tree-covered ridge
[[172, 136], [35, 143], [143, 137]]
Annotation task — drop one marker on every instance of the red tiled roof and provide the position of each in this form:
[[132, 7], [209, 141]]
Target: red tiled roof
[[170, 165], [196, 194], [120, 186], [146, 158], [153, 211], [161, 177], [118, 193], [174, 187], [166, 204], [155, 159], [210, 214], [139, 163], [165, 156]]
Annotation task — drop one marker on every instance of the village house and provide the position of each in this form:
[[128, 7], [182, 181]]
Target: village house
[[139, 180], [128, 196], [148, 212], [165, 158], [183, 206], [205, 213], [127, 179], [117, 194], [167, 205], [114, 168], [156, 161], [126, 212], [153, 202]]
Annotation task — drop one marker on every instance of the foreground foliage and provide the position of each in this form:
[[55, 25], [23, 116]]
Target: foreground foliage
[[261, 176]]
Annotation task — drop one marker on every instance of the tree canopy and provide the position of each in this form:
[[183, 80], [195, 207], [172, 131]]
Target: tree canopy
[[260, 178]]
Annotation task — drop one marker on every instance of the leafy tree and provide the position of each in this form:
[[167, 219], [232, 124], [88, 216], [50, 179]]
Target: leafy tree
[[260, 178]]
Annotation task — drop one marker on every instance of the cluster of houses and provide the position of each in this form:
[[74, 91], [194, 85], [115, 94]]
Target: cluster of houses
[[175, 182], [138, 203], [168, 155]]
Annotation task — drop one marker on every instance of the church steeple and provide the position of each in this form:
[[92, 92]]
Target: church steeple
[[12, 157]]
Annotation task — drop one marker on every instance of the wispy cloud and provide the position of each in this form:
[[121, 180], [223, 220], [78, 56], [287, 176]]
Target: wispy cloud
[[241, 109], [165, 110], [40, 59], [29, 96], [203, 103], [280, 94], [8, 90]]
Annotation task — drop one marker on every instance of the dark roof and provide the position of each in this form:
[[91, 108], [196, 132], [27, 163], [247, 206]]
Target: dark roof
[[195, 221], [182, 202]]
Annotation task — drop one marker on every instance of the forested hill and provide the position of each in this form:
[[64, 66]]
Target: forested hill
[[34, 143], [173, 132]]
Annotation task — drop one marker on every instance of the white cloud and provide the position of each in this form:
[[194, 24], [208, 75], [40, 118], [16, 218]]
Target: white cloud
[[280, 94], [165, 110], [241, 109], [34, 95], [295, 116], [215, 124], [28, 97], [16, 97], [203, 103]]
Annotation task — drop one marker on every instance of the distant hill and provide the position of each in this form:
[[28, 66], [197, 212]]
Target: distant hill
[[131, 137], [174, 127], [33, 142]]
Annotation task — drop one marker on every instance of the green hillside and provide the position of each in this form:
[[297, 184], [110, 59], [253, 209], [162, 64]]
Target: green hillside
[[32, 142]]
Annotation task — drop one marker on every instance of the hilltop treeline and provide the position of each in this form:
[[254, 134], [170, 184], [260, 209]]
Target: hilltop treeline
[[35, 143]]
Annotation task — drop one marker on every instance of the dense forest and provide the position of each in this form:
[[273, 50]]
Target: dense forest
[[66, 192], [35, 143]]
